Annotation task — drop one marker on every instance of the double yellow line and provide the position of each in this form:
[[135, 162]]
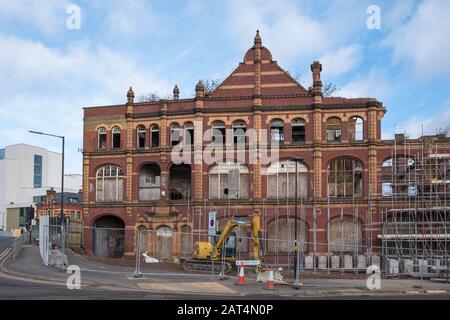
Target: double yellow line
[[5, 253]]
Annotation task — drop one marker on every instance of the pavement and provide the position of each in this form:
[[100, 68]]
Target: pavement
[[99, 279]]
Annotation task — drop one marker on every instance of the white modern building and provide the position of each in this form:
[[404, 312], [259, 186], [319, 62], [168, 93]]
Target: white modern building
[[26, 172]]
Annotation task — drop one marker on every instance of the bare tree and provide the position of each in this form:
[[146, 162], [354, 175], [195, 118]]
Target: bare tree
[[329, 89], [443, 131], [211, 85], [153, 96]]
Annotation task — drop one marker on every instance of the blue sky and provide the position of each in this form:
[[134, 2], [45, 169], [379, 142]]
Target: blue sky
[[48, 72]]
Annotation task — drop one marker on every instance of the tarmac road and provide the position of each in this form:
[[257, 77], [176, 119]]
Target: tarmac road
[[5, 242], [14, 289]]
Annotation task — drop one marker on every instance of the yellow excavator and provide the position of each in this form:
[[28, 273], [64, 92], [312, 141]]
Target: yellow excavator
[[225, 247]]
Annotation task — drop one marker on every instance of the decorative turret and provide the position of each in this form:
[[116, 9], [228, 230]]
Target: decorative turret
[[130, 96], [200, 90], [257, 40], [316, 68], [176, 93]]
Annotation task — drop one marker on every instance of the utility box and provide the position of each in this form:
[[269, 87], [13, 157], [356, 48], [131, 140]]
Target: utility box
[[408, 266], [335, 262], [323, 262], [348, 262], [393, 266], [361, 262], [309, 262]]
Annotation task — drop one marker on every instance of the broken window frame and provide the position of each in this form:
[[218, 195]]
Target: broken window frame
[[109, 172], [146, 185], [222, 171], [277, 130], [333, 129], [188, 134], [154, 136], [341, 173], [116, 135], [102, 138], [239, 129], [356, 129], [218, 132], [285, 170], [175, 136], [298, 128], [141, 134]]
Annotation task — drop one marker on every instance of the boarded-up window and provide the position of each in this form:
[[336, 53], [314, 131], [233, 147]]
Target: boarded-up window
[[186, 241], [345, 234], [281, 180], [229, 180], [109, 184], [149, 182], [164, 239], [281, 235]]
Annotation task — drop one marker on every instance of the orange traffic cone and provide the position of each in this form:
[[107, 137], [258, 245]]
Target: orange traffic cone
[[270, 284], [241, 278]]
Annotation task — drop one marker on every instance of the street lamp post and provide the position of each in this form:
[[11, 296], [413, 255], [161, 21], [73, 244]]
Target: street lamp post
[[297, 252], [62, 176]]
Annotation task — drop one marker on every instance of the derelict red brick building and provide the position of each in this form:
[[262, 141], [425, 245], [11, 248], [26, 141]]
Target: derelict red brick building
[[131, 179]]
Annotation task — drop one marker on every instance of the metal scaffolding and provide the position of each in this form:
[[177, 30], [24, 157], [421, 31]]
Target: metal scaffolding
[[414, 228]]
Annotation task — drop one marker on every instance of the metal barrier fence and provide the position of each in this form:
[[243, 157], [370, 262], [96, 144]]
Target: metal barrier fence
[[17, 245], [190, 253]]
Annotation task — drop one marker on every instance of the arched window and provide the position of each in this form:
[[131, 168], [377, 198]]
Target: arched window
[[345, 235], [239, 129], [174, 134], [396, 174], [149, 182], [109, 184], [333, 129], [298, 130], [277, 130], [281, 180], [180, 182], [218, 128], [345, 178], [116, 138], [355, 129], [281, 234], [102, 138], [188, 133], [154, 136], [140, 136], [229, 180], [164, 236]]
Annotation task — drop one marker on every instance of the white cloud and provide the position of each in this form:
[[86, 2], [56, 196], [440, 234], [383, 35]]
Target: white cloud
[[44, 88], [133, 20], [47, 16], [413, 126], [284, 29], [341, 61], [375, 84], [424, 40], [397, 13]]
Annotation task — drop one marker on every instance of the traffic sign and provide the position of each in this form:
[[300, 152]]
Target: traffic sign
[[212, 223]]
